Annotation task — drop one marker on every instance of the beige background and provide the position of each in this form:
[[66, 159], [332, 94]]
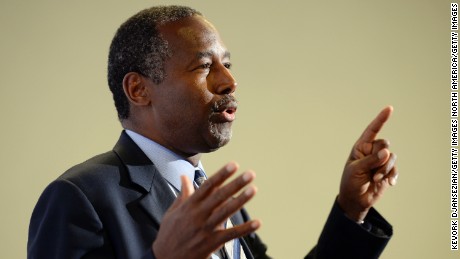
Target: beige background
[[311, 75]]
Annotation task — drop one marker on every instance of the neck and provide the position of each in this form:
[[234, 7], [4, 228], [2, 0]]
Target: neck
[[193, 159]]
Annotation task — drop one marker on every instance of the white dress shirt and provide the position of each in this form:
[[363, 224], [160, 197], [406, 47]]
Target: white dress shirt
[[170, 165]]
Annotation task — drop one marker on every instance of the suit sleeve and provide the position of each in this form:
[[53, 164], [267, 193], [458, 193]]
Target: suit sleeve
[[344, 238], [64, 224]]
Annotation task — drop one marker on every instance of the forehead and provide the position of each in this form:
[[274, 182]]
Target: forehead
[[192, 33]]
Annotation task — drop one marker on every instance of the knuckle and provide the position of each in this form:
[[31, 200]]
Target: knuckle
[[206, 185], [208, 227], [224, 211]]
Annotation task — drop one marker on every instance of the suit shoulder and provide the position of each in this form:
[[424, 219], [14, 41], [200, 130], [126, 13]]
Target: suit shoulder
[[96, 170]]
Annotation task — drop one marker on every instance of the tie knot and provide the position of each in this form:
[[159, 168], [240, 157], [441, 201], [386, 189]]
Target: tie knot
[[199, 177]]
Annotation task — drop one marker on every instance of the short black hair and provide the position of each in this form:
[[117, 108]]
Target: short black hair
[[138, 47]]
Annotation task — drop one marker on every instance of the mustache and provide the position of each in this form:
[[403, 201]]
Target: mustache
[[228, 101]]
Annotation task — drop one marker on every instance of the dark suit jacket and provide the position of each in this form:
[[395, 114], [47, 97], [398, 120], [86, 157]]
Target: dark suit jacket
[[111, 206]]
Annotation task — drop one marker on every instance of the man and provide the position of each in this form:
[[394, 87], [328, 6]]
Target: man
[[169, 73]]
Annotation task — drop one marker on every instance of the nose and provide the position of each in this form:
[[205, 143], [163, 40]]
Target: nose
[[224, 81]]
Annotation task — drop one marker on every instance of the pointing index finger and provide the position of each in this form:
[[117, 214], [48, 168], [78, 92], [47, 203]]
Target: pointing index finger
[[370, 133]]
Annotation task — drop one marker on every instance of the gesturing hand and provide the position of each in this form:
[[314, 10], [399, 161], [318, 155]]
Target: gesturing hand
[[369, 170], [192, 226]]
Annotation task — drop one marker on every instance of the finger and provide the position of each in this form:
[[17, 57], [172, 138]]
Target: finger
[[385, 169], [372, 161], [237, 231], [370, 133], [393, 176], [186, 191], [378, 145], [230, 207], [187, 188], [226, 192], [363, 149], [215, 181]]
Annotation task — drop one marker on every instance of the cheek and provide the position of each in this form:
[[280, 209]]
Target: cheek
[[199, 97], [191, 98], [190, 106]]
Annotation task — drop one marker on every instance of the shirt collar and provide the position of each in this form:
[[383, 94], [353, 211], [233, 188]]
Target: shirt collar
[[170, 165]]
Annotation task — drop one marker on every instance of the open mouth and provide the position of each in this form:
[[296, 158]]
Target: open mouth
[[229, 113], [225, 111], [230, 110]]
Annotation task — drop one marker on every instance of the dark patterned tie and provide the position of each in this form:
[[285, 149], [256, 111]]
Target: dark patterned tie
[[199, 178]]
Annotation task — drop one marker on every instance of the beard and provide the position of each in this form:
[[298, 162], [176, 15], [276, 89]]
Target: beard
[[221, 133], [220, 128]]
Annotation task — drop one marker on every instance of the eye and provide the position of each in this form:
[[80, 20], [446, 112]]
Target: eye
[[205, 66], [228, 65]]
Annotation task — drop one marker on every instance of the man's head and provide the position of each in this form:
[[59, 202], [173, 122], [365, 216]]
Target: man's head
[[173, 85], [138, 47]]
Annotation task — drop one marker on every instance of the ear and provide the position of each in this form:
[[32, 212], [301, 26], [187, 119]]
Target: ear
[[135, 88]]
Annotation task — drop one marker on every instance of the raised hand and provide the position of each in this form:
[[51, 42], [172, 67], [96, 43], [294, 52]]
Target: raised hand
[[192, 226], [369, 170]]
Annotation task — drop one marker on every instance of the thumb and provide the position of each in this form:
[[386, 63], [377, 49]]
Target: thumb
[[374, 160], [186, 190]]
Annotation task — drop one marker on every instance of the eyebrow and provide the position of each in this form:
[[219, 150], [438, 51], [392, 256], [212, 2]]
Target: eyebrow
[[207, 54]]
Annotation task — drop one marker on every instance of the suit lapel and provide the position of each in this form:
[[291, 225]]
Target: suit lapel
[[159, 199], [143, 174]]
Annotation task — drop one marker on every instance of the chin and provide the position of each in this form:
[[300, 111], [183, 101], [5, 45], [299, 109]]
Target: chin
[[219, 136]]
